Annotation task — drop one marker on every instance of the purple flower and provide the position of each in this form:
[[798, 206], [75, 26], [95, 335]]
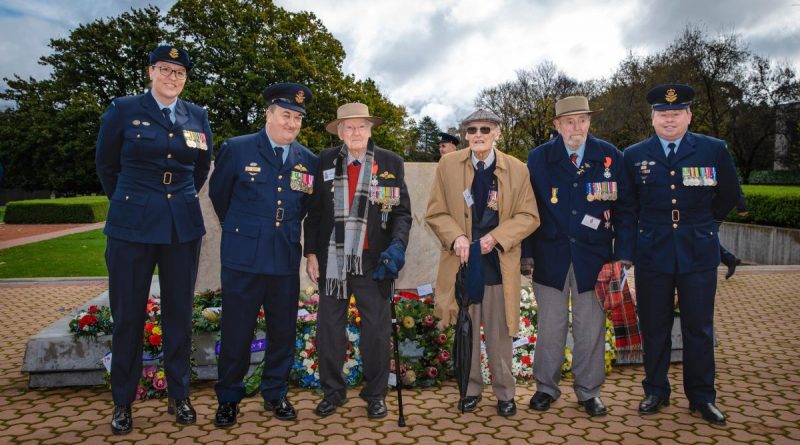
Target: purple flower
[[432, 372], [160, 383]]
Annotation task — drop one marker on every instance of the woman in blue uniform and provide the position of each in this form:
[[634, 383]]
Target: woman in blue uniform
[[153, 156]]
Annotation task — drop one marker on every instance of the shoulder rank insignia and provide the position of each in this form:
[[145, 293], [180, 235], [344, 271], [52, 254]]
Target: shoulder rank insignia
[[387, 175], [300, 168]]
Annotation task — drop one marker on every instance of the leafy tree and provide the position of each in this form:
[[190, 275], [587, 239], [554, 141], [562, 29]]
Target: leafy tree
[[426, 141]]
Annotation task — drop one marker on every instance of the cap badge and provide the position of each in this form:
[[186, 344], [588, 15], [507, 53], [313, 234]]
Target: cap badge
[[671, 95], [173, 53], [300, 97]]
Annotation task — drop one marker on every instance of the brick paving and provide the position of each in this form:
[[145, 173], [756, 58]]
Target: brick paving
[[758, 382]]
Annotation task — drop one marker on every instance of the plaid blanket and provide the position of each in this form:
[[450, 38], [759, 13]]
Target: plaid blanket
[[619, 302]]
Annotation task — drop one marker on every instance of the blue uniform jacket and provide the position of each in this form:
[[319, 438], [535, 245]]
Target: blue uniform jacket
[[678, 217], [259, 211], [151, 169], [561, 194]]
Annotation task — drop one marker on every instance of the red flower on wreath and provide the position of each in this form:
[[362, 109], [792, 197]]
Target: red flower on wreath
[[93, 309], [155, 340], [87, 320], [148, 327], [526, 360]]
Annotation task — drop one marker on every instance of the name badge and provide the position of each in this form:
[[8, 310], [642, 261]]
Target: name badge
[[328, 175], [590, 222], [468, 198]]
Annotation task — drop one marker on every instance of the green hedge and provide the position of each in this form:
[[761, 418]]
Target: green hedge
[[83, 209], [772, 177], [770, 205]]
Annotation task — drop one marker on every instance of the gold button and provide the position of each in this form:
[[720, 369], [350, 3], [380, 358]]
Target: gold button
[[126, 197], [672, 187], [138, 135], [195, 195], [280, 202], [171, 135], [674, 226], [169, 155], [280, 177], [672, 173], [169, 195], [237, 230], [252, 178], [277, 223], [280, 189], [674, 201]]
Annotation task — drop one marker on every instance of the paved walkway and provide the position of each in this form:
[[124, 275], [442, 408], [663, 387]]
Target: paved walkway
[[18, 234], [758, 325]]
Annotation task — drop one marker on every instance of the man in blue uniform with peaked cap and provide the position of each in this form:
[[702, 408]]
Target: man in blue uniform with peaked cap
[[686, 184], [260, 188]]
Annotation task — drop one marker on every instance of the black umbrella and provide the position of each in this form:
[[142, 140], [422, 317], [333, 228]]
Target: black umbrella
[[462, 342], [401, 420]]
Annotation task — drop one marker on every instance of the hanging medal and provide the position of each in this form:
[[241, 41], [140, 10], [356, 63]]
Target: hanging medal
[[607, 165], [607, 216], [554, 195], [589, 192]]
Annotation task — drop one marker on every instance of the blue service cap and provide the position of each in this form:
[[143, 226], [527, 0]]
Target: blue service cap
[[171, 54], [292, 96], [447, 137], [670, 96]]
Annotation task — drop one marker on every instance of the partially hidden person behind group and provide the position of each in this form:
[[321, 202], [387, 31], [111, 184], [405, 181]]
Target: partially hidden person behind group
[[261, 188], [685, 185], [586, 208], [153, 156], [355, 237], [447, 143], [481, 208]]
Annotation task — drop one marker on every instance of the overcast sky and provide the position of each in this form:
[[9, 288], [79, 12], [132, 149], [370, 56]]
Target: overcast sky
[[435, 56]]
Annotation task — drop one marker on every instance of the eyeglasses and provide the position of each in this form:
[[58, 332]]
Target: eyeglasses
[[473, 130], [167, 71]]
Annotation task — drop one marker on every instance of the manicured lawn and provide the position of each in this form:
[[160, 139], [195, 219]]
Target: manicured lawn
[[2, 213], [78, 255], [792, 190]]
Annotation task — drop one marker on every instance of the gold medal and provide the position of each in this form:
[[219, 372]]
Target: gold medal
[[554, 200]]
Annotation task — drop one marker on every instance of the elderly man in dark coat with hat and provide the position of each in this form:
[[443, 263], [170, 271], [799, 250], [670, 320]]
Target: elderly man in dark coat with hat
[[585, 202], [448, 143], [685, 185], [260, 188]]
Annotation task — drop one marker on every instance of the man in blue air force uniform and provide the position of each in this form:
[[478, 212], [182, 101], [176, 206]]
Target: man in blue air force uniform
[[586, 208], [685, 184], [153, 155], [260, 187]]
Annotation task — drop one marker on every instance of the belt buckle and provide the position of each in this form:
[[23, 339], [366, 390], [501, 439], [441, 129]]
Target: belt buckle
[[279, 214], [167, 179], [676, 215]]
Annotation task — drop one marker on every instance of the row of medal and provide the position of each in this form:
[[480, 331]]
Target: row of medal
[[601, 191], [386, 197], [302, 182], [693, 176]]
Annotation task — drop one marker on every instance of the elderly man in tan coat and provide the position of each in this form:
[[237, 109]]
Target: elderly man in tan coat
[[483, 196]]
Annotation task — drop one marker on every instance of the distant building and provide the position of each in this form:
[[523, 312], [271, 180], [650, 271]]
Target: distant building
[[787, 133]]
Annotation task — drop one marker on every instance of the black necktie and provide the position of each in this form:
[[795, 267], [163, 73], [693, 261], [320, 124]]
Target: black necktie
[[356, 163], [481, 166], [166, 112], [279, 155], [574, 158], [671, 154]]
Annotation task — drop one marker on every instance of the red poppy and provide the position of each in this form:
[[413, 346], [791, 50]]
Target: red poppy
[[92, 309], [155, 340], [526, 360], [148, 327]]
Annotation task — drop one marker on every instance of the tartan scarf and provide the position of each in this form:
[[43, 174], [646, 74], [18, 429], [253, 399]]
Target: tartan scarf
[[349, 223]]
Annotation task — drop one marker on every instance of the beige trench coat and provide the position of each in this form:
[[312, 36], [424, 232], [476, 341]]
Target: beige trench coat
[[449, 217]]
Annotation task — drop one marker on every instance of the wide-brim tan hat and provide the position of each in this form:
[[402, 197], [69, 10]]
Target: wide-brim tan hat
[[354, 110], [573, 105]]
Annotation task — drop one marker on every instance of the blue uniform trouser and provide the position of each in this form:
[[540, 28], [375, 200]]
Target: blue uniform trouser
[[655, 302], [243, 294], [130, 272]]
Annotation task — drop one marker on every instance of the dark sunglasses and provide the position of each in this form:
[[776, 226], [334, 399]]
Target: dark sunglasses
[[473, 130]]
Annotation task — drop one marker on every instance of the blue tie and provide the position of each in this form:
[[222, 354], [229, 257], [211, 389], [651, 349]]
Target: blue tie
[[167, 112], [355, 163], [481, 166], [671, 154], [279, 155]]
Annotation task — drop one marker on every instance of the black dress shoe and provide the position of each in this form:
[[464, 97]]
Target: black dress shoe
[[281, 408], [376, 409], [121, 420], [226, 414], [731, 263], [326, 407], [594, 407], [506, 408], [469, 403], [652, 404], [541, 401], [183, 410], [710, 412]]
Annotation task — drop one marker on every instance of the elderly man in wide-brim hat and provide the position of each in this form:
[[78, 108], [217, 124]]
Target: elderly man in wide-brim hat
[[585, 203], [355, 238], [481, 203]]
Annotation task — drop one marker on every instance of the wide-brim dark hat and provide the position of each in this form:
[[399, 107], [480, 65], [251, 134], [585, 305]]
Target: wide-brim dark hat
[[292, 96], [171, 54], [670, 96], [447, 137]]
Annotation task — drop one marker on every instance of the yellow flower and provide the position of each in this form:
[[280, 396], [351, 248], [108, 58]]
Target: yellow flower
[[160, 374], [309, 290], [408, 322], [210, 314], [157, 330]]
